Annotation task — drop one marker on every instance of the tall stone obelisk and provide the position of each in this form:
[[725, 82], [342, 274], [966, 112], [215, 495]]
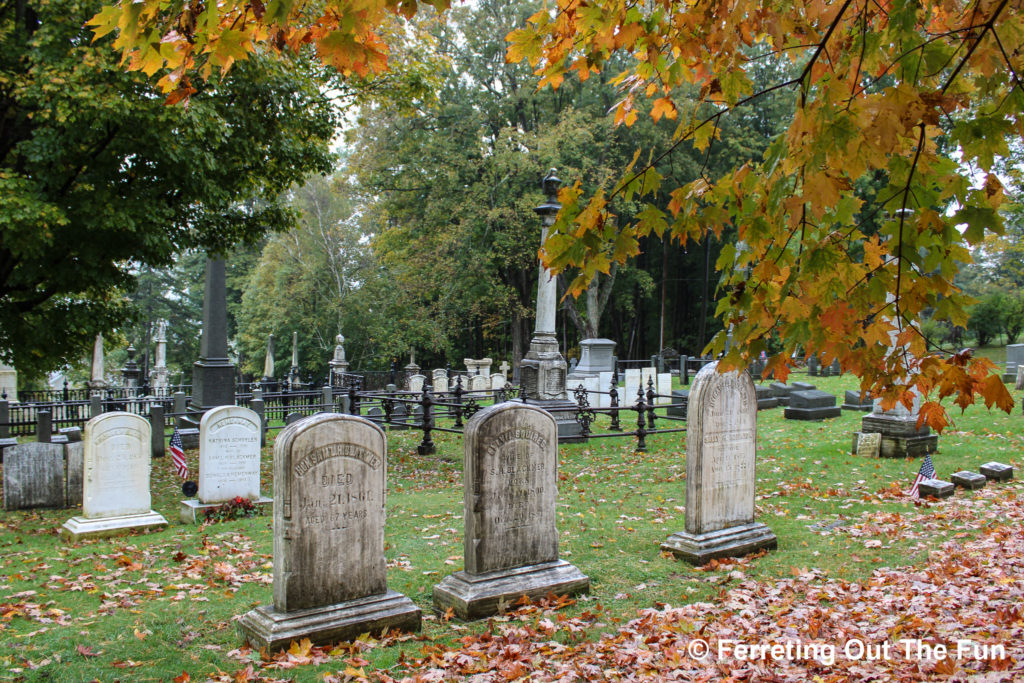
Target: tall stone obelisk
[[543, 369], [213, 375]]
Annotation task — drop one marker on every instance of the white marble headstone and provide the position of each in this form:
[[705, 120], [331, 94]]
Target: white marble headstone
[[229, 454]]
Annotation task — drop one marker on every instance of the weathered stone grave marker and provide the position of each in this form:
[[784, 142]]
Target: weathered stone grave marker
[[115, 496], [969, 480], [34, 476], [996, 471], [720, 454], [869, 445], [229, 460], [511, 489], [330, 473]]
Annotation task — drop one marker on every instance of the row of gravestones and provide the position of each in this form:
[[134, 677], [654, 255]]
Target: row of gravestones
[[330, 474], [108, 472]]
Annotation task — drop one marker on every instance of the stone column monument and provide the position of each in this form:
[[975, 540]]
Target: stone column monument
[[543, 369], [268, 383], [294, 380], [159, 376], [338, 364], [213, 375], [130, 373], [97, 381]]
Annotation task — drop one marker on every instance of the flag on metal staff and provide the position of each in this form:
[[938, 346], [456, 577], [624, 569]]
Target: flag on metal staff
[[178, 455], [927, 471]]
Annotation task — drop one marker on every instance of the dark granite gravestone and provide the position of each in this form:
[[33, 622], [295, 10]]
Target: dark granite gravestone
[[781, 392], [812, 405], [680, 398], [509, 506], [853, 401], [720, 479], [213, 375], [330, 583], [766, 398], [189, 438], [935, 488], [996, 471], [400, 417], [73, 434], [969, 480], [74, 460], [802, 386]]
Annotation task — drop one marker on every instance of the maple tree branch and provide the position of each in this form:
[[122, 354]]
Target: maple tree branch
[[988, 26], [1009, 65], [821, 46]]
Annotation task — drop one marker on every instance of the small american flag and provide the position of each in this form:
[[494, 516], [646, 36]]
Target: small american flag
[[927, 471], [178, 455]]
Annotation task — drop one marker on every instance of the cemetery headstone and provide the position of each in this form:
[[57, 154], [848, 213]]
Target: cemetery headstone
[[813, 366], [509, 506], [416, 383], [969, 480], [115, 489], [765, 397], [782, 392], [663, 387], [720, 457], [935, 488], [869, 445], [6, 443], [1019, 384], [73, 434], [74, 462], [400, 417], [330, 584], [812, 405], [479, 383], [852, 400], [901, 437], [836, 368], [292, 418], [802, 386], [229, 461], [497, 381], [680, 401], [628, 396], [1014, 359], [440, 381], [34, 476], [604, 385], [375, 414], [996, 471]]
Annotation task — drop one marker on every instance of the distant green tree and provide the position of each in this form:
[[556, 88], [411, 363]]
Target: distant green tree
[[986, 319]]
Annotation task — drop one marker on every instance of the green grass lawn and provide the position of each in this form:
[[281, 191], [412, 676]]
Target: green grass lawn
[[150, 607]]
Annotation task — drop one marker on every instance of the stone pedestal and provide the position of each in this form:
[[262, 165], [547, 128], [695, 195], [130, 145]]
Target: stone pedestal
[[78, 528], [475, 596], [734, 541], [265, 627], [969, 480], [900, 436], [194, 512], [213, 375]]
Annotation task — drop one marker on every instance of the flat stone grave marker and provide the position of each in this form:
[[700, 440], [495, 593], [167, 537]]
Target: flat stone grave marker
[[34, 476], [802, 386], [812, 405], [969, 480], [721, 440], [782, 392], [680, 399], [765, 398], [115, 489], [510, 494], [229, 461], [935, 488], [330, 474], [869, 445], [74, 434], [996, 471]]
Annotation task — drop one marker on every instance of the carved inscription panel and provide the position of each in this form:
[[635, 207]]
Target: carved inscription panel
[[229, 454], [117, 466], [511, 488], [329, 483], [720, 451]]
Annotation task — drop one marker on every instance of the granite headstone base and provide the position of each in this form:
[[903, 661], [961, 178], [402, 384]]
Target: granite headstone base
[[936, 488], [781, 392], [194, 512], [78, 528], [265, 627], [901, 437], [969, 480], [812, 404], [680, 399], [475, 596], [996, 471], [736, 541], [766, 398], [812, 414]]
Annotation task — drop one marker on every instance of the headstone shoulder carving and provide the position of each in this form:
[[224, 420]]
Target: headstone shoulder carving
[[330, 473], [720, 470], [511, 540], [116, 478]]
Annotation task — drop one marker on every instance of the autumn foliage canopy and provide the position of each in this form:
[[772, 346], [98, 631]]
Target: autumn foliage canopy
[[925, 98]]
